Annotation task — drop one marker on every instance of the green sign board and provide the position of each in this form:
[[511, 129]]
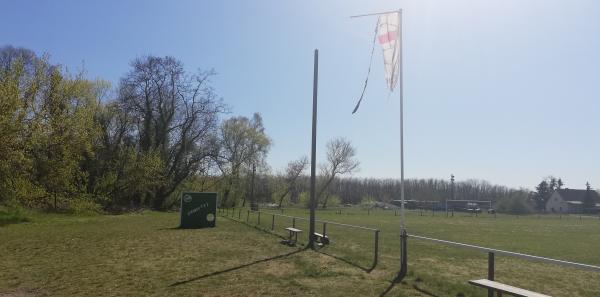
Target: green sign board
[[198, 210]]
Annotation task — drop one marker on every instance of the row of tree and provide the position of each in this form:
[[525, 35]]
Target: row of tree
[[74, 143], [70, 142]]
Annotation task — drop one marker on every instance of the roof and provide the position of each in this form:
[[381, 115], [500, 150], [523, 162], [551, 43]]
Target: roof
[[576, 194]]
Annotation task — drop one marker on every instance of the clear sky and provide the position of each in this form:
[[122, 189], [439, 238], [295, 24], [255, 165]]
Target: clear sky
[[502, 90]]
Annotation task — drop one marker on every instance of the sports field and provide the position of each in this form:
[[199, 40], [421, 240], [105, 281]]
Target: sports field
[[144, 255]]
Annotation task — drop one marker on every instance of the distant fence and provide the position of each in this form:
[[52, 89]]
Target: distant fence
[[420, 211], [270, 221]]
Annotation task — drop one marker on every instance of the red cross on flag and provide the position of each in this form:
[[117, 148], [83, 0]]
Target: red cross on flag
[[387, 35]]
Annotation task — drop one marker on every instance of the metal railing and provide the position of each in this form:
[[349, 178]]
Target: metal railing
[[491, 253], [512, 254], [232, 213]]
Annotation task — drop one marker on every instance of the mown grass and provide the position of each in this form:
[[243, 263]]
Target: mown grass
[[143, 255]]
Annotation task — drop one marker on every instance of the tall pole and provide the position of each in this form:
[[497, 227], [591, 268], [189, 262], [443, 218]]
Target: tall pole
[[401, 91], [403, 235], [313, 153]]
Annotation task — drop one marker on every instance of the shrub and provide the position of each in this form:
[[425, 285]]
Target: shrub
[[515, 204], [12, 215]]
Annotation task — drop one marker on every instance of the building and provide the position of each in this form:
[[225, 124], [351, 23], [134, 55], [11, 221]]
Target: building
[[571, 201]]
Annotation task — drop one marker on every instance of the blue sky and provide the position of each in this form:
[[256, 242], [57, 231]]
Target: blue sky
[[502, 90]]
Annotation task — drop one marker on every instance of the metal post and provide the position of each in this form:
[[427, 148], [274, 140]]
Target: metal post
[[403, 256], [248, 217], [376, 248], [293, 222], [233, 212], [253, 203], [273, 223], [313, 153], [324, 228], [491, 272], [258, 218]]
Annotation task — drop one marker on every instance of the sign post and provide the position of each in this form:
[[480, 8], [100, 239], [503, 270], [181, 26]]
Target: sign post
[[198, 210]]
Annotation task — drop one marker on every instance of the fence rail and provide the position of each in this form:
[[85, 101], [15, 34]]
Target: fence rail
[[509, 253], [231, 212]]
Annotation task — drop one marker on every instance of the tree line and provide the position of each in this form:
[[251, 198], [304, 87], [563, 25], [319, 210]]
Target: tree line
[[71, 143], [74, 143]]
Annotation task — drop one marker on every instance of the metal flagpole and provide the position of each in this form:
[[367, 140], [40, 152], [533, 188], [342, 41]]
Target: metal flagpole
[[403, 234], [401, 87]]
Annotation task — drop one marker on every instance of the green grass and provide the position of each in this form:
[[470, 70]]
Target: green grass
[[142, 255]]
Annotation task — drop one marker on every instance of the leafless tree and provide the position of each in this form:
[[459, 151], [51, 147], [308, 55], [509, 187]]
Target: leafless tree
[[293, 171], [340, 160], [174, 114]]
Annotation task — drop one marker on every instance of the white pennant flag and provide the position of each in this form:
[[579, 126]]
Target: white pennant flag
[[387, 35]]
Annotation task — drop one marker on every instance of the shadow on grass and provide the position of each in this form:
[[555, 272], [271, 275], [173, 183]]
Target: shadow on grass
[[424, 291], [395, 281], [285, 239], [365, 269], [235, 268], [170, 228]]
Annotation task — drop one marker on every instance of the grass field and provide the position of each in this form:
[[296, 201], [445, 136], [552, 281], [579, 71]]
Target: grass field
[[144, 255]]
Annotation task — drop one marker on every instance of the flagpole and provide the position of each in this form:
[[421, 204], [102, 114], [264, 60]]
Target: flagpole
[[401, 87], [403, 234]]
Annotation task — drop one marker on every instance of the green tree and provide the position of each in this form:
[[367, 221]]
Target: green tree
[[242, 144], [588, 201], [541, 195], [48, 115], [14, 161]]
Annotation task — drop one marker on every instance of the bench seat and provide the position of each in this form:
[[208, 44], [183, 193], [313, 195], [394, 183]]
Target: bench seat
[[500, 287], [322, 239], [293, 235]]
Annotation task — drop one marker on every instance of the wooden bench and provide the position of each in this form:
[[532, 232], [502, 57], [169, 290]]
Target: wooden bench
[[321, 239], [293, 233], [502, 288]]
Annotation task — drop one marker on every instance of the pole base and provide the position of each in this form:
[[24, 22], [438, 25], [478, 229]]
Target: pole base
[[403, 257]]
